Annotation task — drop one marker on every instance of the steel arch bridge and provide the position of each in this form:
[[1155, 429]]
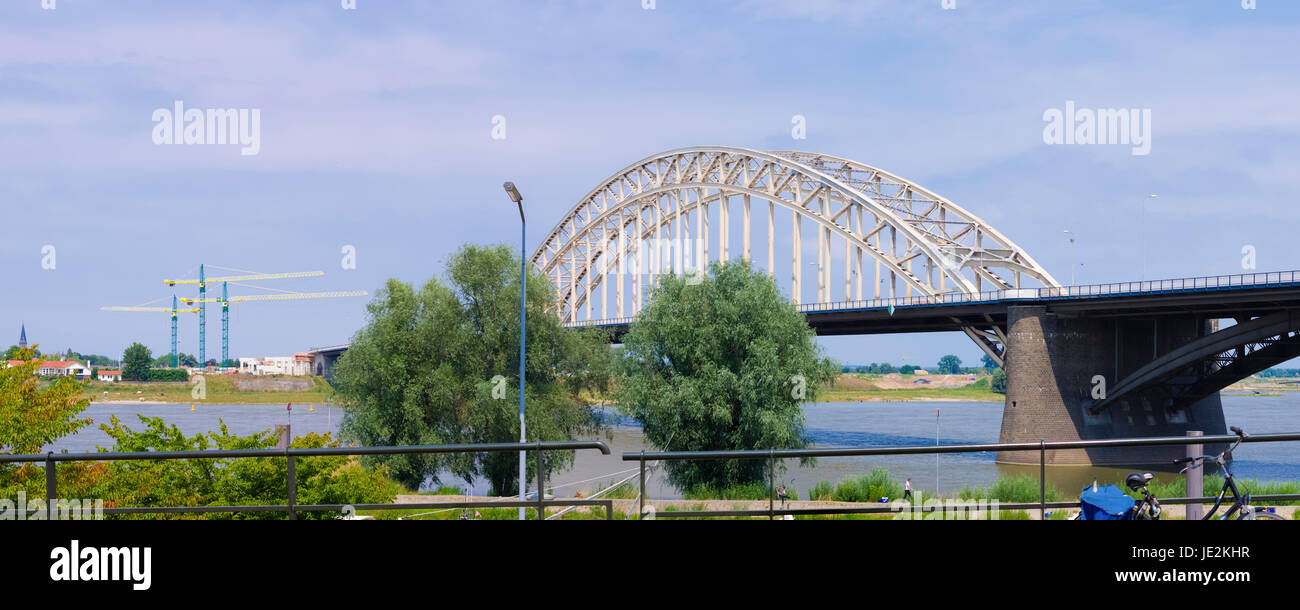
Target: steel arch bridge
[[652, 218]]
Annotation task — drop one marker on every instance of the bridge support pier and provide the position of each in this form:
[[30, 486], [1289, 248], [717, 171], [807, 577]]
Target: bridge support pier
[[1052, 365]]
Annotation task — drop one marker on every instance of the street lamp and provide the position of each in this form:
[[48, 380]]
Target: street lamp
[[1144, 235], [523, 318]]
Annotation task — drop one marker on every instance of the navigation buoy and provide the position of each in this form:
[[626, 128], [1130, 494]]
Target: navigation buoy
[[311, 409], [191, 408]]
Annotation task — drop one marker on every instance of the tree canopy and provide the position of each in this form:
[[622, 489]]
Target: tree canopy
[[721, 363], [949, 365], [441, 365], [136, 361]]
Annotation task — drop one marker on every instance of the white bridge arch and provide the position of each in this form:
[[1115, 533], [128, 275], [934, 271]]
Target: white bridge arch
[[637, 225]]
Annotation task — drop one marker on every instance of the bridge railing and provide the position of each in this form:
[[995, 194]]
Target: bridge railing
[[51, 459], [1042, 447], [1209, 282]]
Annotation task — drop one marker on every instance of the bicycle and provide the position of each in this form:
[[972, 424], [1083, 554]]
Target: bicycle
[[1240, 502]]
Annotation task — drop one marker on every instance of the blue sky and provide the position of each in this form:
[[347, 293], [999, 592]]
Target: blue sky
[[376, 133]]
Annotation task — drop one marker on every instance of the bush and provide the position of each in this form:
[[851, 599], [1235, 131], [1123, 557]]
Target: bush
[[999, 383], [1022, 488], [168, 375], [869, 488]]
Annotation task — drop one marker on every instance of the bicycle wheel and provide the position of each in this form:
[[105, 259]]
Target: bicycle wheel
[[1269, 517]]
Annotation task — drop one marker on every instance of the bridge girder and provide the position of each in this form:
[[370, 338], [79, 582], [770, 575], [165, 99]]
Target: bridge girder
[[1210, 363], [865, 208]]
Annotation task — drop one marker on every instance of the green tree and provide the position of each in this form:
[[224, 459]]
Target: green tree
[[136, 361], [949, 365], [988, 363], [998, 383], [720, 364], [31, 418], [13, 353], [441, 366]]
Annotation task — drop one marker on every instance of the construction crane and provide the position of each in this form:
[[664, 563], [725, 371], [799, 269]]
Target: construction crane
[[226, 300], [171, 310], [225, 315]]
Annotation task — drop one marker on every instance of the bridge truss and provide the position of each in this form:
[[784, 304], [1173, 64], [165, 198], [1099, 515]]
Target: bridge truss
[[652, 218]]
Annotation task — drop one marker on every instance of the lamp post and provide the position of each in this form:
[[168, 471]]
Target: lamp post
[[1144, 235], [523, 292]]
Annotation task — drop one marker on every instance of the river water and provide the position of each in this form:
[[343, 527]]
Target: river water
[[850, 424]]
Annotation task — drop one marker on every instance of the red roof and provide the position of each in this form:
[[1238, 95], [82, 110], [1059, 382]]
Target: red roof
[[57, 364], [110, 372]]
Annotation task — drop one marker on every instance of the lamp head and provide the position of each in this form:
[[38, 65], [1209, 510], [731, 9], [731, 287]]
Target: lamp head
[[513, 192]]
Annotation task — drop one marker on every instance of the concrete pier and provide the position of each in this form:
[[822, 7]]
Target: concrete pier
[[1052, 364]]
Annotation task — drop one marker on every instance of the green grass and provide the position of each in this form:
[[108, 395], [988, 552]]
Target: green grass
[[745, 491], [975, 392], [1022, 488], [220, 389], [1175, 486], [869, 488]]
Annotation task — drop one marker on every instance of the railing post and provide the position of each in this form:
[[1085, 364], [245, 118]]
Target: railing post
[[292, 479], [640, 511], [541, 484], [771, 484], [51, 487], [1195, 511], [609, 510], [1042, 480]]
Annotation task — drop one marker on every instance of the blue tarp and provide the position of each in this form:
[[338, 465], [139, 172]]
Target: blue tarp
[[1107, 503]]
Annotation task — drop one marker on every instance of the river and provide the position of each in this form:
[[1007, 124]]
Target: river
[[852, 424]]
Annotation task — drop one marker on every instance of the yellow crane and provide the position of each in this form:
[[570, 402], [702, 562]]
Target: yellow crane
[[173, 310]]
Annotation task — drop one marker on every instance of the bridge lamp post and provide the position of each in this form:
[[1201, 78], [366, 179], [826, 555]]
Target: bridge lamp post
[[523, 337]]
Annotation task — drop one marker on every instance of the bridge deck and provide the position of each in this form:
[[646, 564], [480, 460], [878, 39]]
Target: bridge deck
[[1214, 297]]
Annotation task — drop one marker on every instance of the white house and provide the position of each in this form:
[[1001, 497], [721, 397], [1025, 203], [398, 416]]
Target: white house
[[298, 364], [64, 368], [114, 376]]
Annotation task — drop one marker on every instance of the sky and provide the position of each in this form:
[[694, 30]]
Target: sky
[[376, 132]]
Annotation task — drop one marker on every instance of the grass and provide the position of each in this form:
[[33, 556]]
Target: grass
[[220, 389], [1176, 487], [869, 488], [1021, 488], [746, 491], [978, 391]]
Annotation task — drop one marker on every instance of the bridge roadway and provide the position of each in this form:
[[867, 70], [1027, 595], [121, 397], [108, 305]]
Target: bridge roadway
[[1212, 297]]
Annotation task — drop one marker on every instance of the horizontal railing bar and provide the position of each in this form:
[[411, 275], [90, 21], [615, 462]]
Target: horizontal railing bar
[[301, 451], [634, 456], [339, 507]]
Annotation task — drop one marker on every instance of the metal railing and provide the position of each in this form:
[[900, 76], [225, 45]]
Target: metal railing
[[1042, 447], [1191, 284], [51, 459]]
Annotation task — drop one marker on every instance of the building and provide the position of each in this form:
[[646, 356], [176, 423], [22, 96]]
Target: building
[[64, 368], [113, 376], [22, 337], [298, 364]]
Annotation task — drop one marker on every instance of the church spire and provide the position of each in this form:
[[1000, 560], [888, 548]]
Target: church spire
[[22, 338]]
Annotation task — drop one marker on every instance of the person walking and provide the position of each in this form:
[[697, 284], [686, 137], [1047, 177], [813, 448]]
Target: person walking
[[907, 490]]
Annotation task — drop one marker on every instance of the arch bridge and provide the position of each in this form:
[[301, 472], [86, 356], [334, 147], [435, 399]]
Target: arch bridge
[[654, 216], [1156, 345]]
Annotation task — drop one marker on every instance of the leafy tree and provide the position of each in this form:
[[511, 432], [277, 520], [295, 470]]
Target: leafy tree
[[721, 364], [31, 418], [136, 361], [12, 353], [949, 365], [988, 363], [998, 383], [228, 482], [441, 366]]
